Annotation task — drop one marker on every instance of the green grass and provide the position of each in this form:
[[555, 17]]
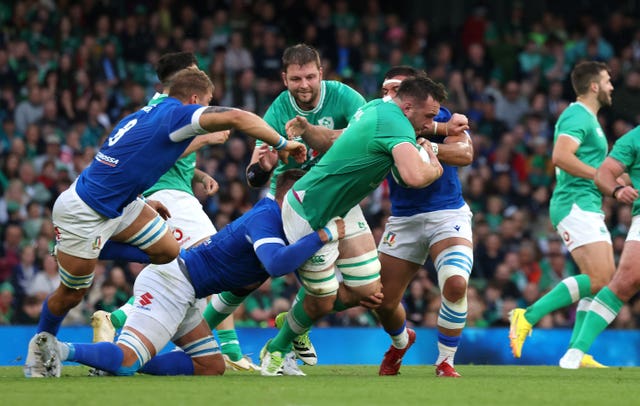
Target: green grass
[[333, 385]]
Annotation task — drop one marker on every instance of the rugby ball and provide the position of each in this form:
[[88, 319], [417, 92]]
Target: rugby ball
[[396, 175]]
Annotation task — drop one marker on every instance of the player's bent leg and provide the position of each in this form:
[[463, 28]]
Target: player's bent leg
[[200, 345], [149, 232]]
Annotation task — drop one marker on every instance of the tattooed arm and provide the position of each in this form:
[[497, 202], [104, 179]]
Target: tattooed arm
[[216, 118]]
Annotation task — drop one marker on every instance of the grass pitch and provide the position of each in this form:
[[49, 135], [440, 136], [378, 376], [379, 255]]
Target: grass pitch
[[334, 385]]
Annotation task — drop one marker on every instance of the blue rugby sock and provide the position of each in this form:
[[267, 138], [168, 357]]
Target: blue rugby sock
[[49, 322], [171, 363], [105, 356]]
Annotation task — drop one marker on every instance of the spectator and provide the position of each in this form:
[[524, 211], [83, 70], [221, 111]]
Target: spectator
[[31, 110]]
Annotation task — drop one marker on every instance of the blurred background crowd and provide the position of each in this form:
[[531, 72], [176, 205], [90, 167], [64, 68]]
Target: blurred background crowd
[[70, 70]]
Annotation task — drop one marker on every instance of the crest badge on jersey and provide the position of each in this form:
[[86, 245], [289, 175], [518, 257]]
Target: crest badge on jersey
[[326, 122], [389, 238], [96, 243]]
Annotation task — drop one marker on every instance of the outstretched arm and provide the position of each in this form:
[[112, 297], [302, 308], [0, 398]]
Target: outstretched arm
[[218, 137], [279, 259], [316, 136], [216, 118]]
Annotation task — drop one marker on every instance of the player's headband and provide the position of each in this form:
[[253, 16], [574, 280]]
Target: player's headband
[[391, 82]]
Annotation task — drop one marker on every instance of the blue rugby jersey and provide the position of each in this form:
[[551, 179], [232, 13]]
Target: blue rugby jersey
[[140, 149], [443, 194], [248, 250]]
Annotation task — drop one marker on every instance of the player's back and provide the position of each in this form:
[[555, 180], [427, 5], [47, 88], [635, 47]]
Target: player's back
[[142, 147], [228, 260]]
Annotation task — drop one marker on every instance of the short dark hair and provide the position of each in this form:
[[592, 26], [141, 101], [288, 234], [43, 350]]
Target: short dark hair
[[403, 70], [421, 87], [285, 180], [585, 73], [300, 54], [172, 63], [189, 81]]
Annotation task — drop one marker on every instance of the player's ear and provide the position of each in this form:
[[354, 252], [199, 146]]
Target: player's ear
[[284, 78], [320, 73]]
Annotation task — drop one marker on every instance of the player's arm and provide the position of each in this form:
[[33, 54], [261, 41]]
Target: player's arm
[[316, 136], [263, 161], [456, 150], [415, 172], [210, 185], [564, 157], [218, 137], [280, 259], [216, 118], [606, 179], [457, 125]]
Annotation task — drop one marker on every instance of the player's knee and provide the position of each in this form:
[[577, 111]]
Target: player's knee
[[69, 297], [135, 353], [455, 288], [316, 307], [164, 252]]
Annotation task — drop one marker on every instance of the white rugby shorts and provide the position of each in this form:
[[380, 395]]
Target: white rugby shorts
[[410, 238]]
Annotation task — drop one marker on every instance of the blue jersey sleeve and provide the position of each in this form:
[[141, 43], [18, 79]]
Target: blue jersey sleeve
[[269, 243], [281, 259]]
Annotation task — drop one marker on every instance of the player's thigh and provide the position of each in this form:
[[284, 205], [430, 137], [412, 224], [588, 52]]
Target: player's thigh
[[358, 239], [81, 232], [162, 298], [143, 227], [395, 276], [317, 274], [626, 280]]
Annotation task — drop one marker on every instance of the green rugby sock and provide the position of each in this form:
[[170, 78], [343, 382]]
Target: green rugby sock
[[581, 312], [220, 307], [119, 316], [229, 344], [560, 296], [604, 309], [296, 323]]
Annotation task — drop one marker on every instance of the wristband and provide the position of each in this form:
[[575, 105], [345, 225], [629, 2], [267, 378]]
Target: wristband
[[434, 148], [615, 190], [435, 127], [281, 144], [326, 230]]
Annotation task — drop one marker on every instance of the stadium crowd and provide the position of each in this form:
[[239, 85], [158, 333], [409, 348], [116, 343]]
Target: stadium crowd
[[70, 70]]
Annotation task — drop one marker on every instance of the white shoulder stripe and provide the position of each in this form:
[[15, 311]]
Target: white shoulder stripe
[[189, 130], [270, 240], [570, 136]]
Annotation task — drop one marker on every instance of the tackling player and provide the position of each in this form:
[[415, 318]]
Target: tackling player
[[238, 259]]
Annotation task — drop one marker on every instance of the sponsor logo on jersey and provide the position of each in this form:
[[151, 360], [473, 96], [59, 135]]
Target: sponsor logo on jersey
[[58, 234], [317, 259], [456, 227], [106, 159], [145, 300], [389, 239]]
